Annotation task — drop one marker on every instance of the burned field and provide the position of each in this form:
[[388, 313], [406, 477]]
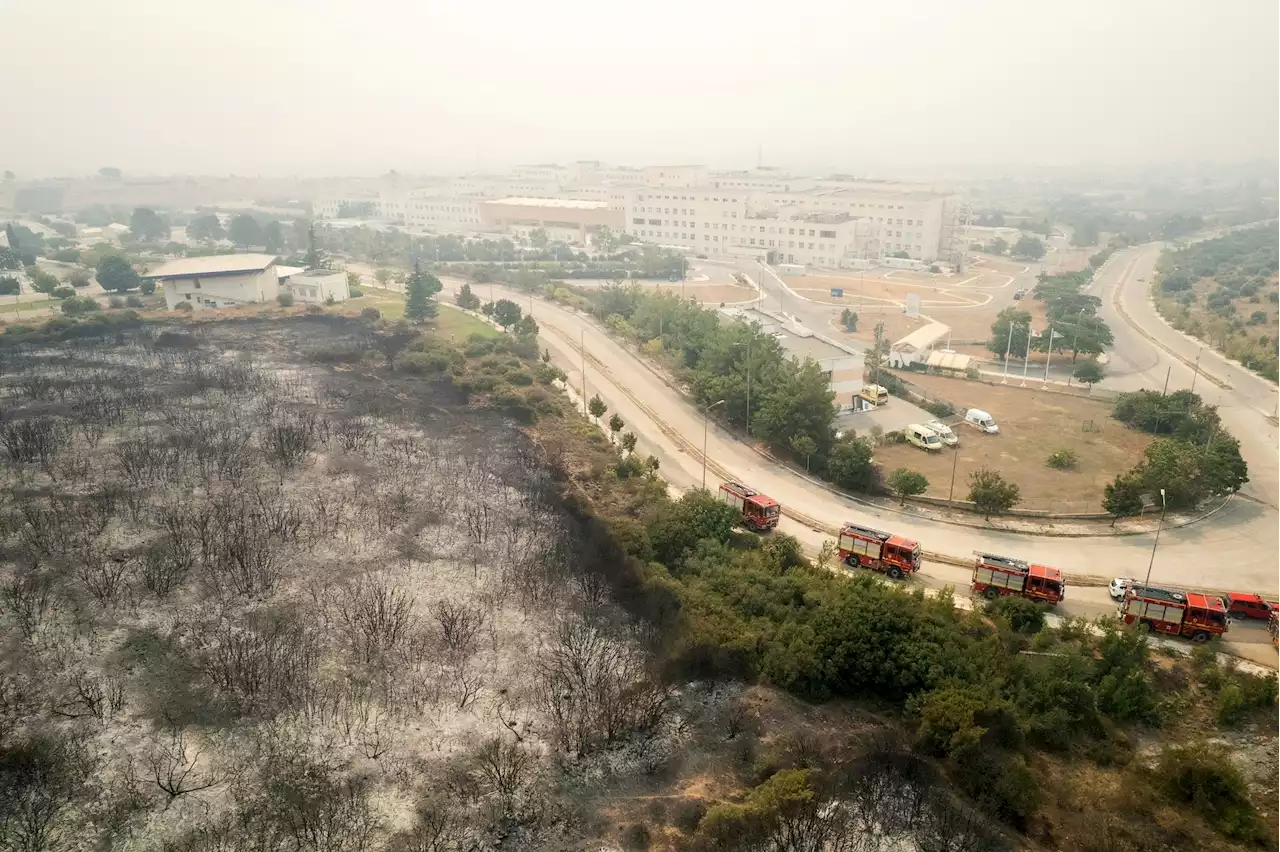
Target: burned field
[[253, 602]]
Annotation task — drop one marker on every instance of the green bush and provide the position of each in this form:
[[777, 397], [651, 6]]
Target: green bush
[[115, 302], [355, 291], [63, 292], [134, 301], [285, 300], [1063, 459], [1203, 778], [1022, 615], [184, 306], [938, 408]]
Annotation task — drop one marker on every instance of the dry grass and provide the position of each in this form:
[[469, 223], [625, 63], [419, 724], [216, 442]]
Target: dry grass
[[1033, 423]]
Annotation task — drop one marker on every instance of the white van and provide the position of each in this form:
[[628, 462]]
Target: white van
[[925, 439], [943, 431], [980, 419]]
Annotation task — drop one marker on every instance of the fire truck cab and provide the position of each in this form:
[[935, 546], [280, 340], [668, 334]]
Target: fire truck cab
[[994, 576], [879, 551], [1195, 616], [759, 512]]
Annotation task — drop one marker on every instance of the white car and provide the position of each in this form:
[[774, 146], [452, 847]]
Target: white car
[[943, 431], [1119, 586]]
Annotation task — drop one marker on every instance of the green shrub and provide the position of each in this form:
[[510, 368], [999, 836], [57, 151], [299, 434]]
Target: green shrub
[[184, 306], [115, 302], [285, 300], [371, 314], [938, 408], [1203, 778], [1022, 615], [1063, 459], [635, 838], [134, 301], [63, 292], [355, 291]]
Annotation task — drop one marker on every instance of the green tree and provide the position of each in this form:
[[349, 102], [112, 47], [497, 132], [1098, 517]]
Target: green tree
[[116, 274], [605, 240], [990, 493], [1029, 247], [615, 426], [907, 483], [148, 226], [849, 464], [1020, 323], [997, 246], [273, 237], [1122, 497], [245, 231], [526, 328], [10, 258], [803, 445], [1225, 470], [506, 313], [1177, 467], [205, 229], [353, 280], [467, 299], [43, 282], [316, 257], [538, 238], [9, 286], [392, 338], [629, 442], [383, 276], [678, 526], [877, 354], [1089, 372], [596, 407], [422, 287], [849, 319], [800, 405]]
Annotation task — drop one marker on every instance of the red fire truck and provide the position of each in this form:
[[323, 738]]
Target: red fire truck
[[759, 512], [880, 551], [994, 576], [1198, 617]]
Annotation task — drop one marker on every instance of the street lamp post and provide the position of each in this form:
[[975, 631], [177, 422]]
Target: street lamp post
[[1164, 506], [582, 347], [706, 412], [1196, 374], [1026, 357], [751, 329]]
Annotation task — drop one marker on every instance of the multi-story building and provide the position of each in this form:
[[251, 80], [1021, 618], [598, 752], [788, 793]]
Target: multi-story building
[[567, 220]]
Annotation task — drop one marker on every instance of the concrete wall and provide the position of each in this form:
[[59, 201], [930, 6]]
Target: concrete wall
[[222, 290]]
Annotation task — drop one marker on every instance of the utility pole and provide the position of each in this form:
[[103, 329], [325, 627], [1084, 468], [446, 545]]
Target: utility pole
[[1075, 338], [582, 347], [1165, 390], [753, 334], [1196, 374], [1164, 506]]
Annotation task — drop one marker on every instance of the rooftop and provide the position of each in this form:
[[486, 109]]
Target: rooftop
[[218, 264], [560, 203], [923, 337]]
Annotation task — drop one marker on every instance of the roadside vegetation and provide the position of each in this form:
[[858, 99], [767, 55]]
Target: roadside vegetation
[[1225, 292], [358, 588]]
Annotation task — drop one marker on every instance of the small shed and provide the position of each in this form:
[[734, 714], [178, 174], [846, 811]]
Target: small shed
[[947, 361]]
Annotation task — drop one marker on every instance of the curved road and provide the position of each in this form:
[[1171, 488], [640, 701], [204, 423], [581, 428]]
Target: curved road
[[1236, 551]]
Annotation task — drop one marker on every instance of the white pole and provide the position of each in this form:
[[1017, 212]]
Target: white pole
[[1048, 356], [1008, 347], [1026, 356]]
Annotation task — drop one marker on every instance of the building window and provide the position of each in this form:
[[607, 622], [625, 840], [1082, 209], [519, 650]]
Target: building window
[[829, 235], [188, 297], [195, 282]]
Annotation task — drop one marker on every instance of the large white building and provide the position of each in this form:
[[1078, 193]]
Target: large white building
[[760, 213]]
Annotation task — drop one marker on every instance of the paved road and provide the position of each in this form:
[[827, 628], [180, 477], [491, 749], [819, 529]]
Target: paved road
[[1236, 552]]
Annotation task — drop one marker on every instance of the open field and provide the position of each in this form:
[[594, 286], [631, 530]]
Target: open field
[[1033, 424]]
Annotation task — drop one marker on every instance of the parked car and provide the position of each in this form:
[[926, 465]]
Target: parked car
[[1018, 294], [943, 431], [1243, 605], [979, 419], [925, 439], [1119, 586]]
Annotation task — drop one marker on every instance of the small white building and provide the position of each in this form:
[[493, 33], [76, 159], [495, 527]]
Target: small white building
[[313, 286], [218, 281]]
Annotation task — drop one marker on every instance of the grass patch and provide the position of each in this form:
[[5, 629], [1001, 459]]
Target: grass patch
[[461, 326]]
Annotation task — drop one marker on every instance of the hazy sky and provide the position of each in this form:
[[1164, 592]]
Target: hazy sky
[[315, 87]]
